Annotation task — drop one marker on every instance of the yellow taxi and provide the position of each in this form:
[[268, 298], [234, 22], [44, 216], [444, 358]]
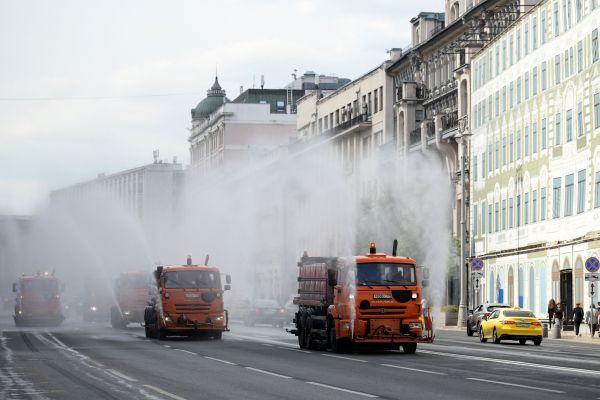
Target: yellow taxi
[[511, 324]]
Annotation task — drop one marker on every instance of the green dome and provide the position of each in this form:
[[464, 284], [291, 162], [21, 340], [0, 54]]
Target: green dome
[[215, 97]]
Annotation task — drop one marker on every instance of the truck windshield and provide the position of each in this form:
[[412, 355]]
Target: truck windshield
[[134, 282], [385, 274], [39, 285], [192, 279]]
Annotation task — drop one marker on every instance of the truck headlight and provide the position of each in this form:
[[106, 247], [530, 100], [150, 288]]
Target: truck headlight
[[414, 295], [345, 325], [219, 318], [126, 313], [93, 308], [414, 325], [351, 296], [167, 319]]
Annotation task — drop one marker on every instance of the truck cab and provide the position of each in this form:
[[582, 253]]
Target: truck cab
[[188, 300], [373, 300], [37, 300], [131, 292]]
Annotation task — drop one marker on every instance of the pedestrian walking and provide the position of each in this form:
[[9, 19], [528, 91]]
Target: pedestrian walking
[[551, 309], [593, 319], [559, 315], [577, 317]]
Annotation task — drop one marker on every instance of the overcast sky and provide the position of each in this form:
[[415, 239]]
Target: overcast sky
[[60, 58]]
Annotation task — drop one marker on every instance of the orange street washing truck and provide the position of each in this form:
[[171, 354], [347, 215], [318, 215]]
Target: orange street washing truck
[[131, 292], [370, 301], [38, 300], [189, 301]]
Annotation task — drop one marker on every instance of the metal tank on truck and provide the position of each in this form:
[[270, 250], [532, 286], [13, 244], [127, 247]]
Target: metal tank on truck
[[38, 300], [131, 293], [370, 301], [188, 302]]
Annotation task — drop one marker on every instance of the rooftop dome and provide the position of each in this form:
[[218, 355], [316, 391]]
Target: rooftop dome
[[215, 97]]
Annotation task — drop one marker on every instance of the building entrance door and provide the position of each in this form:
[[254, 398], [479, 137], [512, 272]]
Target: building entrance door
[[566, 291]]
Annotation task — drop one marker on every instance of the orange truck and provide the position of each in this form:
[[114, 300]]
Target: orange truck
[[131, 295], [188, 302], [371, 301], [38, 300]]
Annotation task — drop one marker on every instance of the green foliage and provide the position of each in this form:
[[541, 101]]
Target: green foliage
[[450, 308]]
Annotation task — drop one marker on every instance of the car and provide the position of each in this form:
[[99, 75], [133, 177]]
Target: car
[[511, 324], [476, 316], [265, 311]]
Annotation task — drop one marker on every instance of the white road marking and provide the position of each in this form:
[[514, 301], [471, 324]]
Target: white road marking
[[345, 358], [164, 392], [167, 346], [267, 344], [186, 351], [414, 369], [121, 375], [261, 340], [342, 389], [219, 360], [516, 385], [292, 349], [555, 368], [262, 371]]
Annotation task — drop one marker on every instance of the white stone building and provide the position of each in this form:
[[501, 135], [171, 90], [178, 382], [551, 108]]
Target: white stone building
[[535, 156]]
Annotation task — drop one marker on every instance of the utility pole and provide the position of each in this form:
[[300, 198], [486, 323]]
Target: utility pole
[[462, 139]]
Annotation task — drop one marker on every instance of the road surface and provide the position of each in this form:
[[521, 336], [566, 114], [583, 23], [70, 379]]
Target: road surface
[[94, 361]]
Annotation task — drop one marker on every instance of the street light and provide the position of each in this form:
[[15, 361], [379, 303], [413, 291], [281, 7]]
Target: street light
[[462, 139]]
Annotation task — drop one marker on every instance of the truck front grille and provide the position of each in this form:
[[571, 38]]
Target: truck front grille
[[192, 308]]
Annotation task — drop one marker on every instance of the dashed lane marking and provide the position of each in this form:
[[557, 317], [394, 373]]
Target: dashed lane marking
[[342, 389], [121, 375], [344, 358], [555, 368], [292, 349], [219, 360], [262, 371], [164, 392], [414, 369], [516, 385], [187, 351]]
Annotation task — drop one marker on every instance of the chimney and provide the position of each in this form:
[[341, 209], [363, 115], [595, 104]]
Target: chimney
[[395, 54]]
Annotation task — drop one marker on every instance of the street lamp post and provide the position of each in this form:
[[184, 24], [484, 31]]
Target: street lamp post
[[461, 139]]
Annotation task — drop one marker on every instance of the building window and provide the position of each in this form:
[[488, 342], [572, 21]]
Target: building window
[[518, 145], [579, 119], [596, 110], [475, 167], [534, 133], [483, 218], [518, 45], [543, 27], [490, 160], [555, 19], [534, 32], [511, 50], [504, 99], [519, 90], [496, 217], [534, 81], [511, 155], [569, 13], [543, 203], [581, 191], [526, 209], [526, 141], [511, 90], [595, 49], [569, 123], [544, 134], [526, 85], [483, 165], [526, 38], [497, 104], [556, 198], [511, 213], [534, 207], [518, 210], [569, 195], [544, 76], [557, 69], [490, 218], [504, 150], [504, 54], [597, 190], [580, 56], [578, 9], [497, 154], [380, 98], [375, 101], [475, 216], [557, 133], [504, 214]]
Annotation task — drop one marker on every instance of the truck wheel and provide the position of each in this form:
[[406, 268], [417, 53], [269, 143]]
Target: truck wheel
[[409, 348], [307, 334], [469, 331]]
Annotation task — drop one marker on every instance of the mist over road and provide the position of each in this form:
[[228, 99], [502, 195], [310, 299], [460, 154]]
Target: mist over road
[[94, 361]]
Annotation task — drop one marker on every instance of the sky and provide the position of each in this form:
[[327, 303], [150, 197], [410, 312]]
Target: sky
[[90, 87]]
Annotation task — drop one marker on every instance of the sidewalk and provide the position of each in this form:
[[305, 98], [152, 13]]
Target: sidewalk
[[568, 336]]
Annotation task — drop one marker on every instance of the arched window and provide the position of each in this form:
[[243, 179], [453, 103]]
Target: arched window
[[555, 281], [520, 286], [454, 11]]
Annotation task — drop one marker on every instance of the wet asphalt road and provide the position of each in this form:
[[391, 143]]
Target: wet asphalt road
[[94, 361]]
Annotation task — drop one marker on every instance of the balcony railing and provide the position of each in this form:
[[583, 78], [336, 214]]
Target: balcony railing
[[450, 120], [362, 118]]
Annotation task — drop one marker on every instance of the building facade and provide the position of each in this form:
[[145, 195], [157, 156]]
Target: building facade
[[535, 191]]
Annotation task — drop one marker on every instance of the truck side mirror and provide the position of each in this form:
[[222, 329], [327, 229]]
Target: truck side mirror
[[228, 279], [227, 287], [14, 287], [425, 272], [425, 283]]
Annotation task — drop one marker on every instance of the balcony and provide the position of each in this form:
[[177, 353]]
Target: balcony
[[351, 123]]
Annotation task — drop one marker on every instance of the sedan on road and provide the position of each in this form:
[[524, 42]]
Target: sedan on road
[[265, 311], [476, 316], [511, 324]]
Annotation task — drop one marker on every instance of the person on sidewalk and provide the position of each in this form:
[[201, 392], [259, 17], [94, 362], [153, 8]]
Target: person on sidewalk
[[577, 317], [558, 316], [551, 309]]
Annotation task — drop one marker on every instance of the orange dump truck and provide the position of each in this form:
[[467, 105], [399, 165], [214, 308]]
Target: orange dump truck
[[131, 292], [37, 301], [189, 301], [371, 301]]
